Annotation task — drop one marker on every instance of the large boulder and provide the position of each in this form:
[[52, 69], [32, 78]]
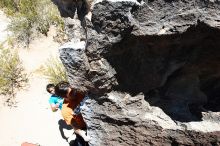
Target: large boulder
[[153, 70]]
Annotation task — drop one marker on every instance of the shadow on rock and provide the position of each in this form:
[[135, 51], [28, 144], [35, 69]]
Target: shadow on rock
[[179, 73]]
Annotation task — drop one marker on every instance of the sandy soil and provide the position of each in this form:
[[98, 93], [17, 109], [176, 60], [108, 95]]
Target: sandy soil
[[32, 120], [3, 26]]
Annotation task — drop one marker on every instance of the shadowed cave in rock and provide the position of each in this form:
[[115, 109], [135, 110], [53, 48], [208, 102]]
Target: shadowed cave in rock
[[180, 73]]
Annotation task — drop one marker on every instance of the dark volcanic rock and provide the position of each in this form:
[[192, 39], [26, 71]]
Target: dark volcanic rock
[[145, 55]]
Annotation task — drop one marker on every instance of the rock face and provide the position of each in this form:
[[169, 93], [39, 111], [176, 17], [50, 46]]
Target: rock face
[[153, 68]]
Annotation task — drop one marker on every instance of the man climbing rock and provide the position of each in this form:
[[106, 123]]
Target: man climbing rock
[[71, 108]]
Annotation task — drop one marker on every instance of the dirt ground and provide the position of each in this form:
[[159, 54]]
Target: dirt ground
[[32, 120]]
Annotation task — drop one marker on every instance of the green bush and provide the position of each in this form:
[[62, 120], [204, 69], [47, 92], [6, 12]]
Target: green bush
[[31, 17], [12, 76], [21, 29], [54, 70], [9, 6]]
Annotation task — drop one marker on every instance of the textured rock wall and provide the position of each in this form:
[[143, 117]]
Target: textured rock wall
[[153, 70]]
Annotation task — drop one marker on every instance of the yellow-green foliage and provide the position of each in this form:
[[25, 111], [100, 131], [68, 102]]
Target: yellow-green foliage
[[9, 6], [12, 76], [31, 16], [54, 70]]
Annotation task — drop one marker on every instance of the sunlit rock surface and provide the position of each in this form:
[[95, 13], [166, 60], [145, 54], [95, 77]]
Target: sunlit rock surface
[[153, 70]]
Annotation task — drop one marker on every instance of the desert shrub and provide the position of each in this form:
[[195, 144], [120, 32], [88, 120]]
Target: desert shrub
[[9, 6], [30, 17], [12, 76], [54, 70], [21, 29]]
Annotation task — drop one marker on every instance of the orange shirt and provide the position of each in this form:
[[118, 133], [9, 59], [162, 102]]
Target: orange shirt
[[67, 112]]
